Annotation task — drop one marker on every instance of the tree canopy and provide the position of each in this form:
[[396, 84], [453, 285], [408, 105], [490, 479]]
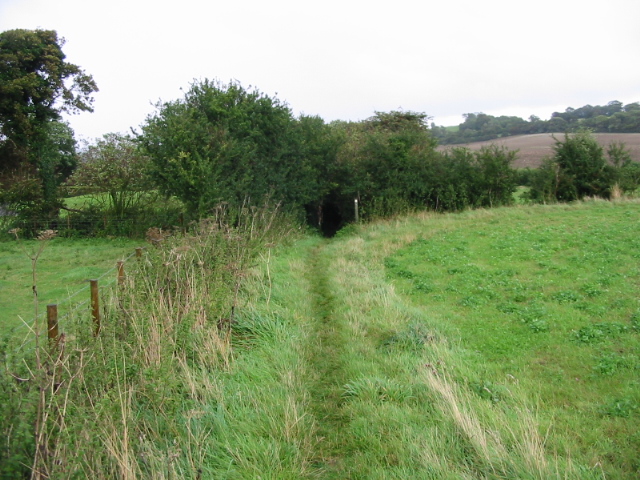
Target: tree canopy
[[36, 86], [226, 143]]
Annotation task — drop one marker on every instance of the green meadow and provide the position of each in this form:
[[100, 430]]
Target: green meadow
[[488, 344], [543, 299], [63, 268]]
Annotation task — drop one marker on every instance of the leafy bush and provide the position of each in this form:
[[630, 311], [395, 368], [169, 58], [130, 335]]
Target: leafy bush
[[225, 143], [579, 169]]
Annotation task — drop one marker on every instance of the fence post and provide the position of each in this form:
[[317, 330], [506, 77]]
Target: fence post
[[356, 210], [95, 307], [138, 252], [52, 323], [120, 272]]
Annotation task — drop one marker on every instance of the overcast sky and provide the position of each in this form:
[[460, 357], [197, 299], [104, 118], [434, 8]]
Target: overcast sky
[[345, 59]]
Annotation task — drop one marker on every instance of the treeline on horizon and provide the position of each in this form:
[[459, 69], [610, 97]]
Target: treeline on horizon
[[224, 143], [614, 117]]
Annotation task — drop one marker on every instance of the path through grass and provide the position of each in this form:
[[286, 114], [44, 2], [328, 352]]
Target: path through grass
[[327, 375], [484, 345], [403, 372]]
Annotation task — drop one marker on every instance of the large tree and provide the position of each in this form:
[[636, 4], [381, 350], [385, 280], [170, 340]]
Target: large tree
[[225, 143], [36, 86]]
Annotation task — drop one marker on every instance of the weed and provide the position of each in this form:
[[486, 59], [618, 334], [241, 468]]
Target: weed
[[611, 363], [599, 332], [127, 396], [257, 326], [377, 390], [423, 286], [591, 290], [620, 407], [566, 296]]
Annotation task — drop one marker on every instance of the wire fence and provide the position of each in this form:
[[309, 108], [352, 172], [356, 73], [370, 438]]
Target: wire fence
[[28, 329]]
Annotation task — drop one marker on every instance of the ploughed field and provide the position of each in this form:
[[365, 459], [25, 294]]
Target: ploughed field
[[533, 148]]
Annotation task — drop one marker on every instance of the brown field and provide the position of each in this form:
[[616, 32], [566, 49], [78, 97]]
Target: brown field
[[533, 148]]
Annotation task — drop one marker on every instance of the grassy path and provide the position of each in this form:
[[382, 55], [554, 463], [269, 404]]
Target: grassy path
[[327, 366], [489, 345], [386, 391], [374, 416], [353, 380]]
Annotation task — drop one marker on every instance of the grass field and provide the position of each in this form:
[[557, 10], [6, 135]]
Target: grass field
[[545, 298], [63, 268], [489, 344]]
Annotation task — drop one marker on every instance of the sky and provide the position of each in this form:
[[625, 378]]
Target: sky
[[346, 59]]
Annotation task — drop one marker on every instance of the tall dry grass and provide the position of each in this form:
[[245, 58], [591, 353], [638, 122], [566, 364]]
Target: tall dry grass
[[127, 403]]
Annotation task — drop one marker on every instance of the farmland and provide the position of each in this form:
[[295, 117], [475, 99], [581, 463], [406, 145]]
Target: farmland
[[533, 148], [497, 343], [61, 272]]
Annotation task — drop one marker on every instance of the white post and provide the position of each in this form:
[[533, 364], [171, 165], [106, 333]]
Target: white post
[[355, 201]]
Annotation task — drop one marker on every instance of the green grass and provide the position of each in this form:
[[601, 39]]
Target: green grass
[[519, 196], [409, 360], [103, 200], [489, 344], [63, 268], [545, 297]]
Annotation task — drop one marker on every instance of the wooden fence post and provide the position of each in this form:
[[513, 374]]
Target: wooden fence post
[[95, 307], [120, 272], [138, 252], [52, 323]]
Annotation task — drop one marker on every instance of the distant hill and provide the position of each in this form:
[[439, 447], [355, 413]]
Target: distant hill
[[533, 148]]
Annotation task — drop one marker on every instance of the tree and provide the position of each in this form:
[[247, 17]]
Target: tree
[[32, 189], [390, 158], [544, 182], [317, 145], [496, 178], [577, 169], [627, 172], [581, 159], [36, 86], [557, 124], [225, 143], [114, 165], [482, 178]]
